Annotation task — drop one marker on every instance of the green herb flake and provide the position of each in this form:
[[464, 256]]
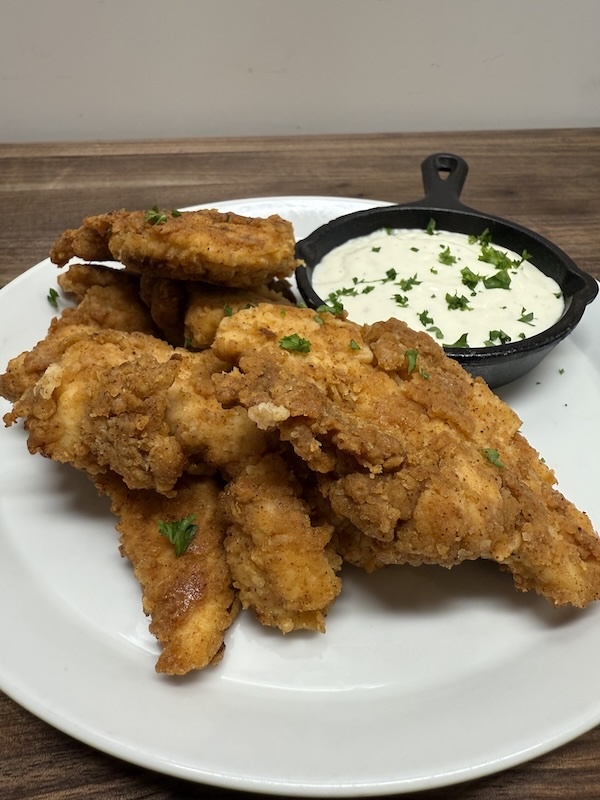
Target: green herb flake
[[332, 307], [430, 229], [446, 257], [375, 249], [436, 332], [493, 456], [175, 213], [497, 337], [460, 342], [155, 217], [401, 300], [469, 278], [561, 371], [227, 310], [406, 284], [411, 360], [526, 317], [295, 342], [180, 532], [53, 298], [424, 318], [415, 249], [354, 345], [483, 238], [500, 280], [319, 320], [456, 303]]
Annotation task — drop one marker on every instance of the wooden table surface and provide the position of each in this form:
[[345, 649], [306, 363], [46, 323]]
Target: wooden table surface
[[547, 180]]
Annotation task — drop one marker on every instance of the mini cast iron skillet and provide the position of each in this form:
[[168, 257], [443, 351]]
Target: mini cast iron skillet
[[497, 365]]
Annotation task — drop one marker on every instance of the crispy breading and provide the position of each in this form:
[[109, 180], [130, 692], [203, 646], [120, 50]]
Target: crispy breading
[[218, 247], [425, 461], [131, 403], [190, 597], [106, 298], [207, 305], [282, 563]]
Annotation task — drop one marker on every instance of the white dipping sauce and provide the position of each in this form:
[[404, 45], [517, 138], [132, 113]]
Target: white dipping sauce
[[441, 282]]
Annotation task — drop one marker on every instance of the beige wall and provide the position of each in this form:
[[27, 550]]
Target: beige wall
[[112, 69]]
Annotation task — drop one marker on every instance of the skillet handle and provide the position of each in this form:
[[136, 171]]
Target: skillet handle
[[443, 192]]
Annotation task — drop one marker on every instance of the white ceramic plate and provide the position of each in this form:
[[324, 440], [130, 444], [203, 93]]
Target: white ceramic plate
[[425, 677]]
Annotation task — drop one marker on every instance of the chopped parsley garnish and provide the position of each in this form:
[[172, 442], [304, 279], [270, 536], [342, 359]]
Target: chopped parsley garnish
[[411, 360], [319, 320], [493, 456], [460, 342], [482, 238], [375, 249], [415, 249], [499, 259], [457, 303], [411, 357], [469, 278], [155, 217], [436, 331], [497, 337], [430, 229], [354, 345], [526, 317], [295, 342], [332, 307], [425, 319], [406, 284], [501, 280], [227, 310], [53, 298], [180, 532], [401, 300], [446, 257]]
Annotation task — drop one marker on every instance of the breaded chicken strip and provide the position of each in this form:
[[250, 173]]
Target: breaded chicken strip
[[422, 459], [105, 297], [190, 597], [208, 245], [207, 305], [282, 563], [130, 403]]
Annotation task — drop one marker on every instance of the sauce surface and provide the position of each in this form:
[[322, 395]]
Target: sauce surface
[[464, 291]]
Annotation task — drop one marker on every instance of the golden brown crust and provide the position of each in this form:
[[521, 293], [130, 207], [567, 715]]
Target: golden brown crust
[[190, 597], [208, 245], [405, 452], [282, 564]]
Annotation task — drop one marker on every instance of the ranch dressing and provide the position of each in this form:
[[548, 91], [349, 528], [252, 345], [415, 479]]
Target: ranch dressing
[[464, 291]]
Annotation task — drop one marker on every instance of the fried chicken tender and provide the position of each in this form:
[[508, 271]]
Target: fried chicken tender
[[131, 403], [282, 564], [106, 298], [423, 462], [223, 248], [207, 305], [190, 597]]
